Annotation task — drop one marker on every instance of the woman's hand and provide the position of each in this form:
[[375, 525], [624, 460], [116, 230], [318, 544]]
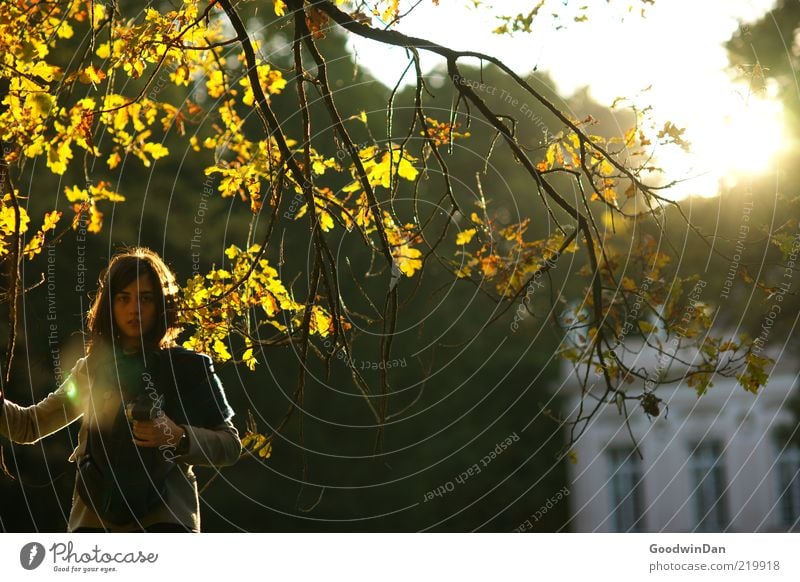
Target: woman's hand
[[160, 432]]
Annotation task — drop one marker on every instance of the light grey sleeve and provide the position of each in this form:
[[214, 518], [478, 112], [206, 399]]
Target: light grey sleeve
[[29, 424], [214, 447]]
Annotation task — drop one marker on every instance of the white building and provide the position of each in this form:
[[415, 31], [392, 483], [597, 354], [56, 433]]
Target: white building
[[712, 463]]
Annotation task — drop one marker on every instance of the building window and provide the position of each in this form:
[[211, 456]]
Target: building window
[[627, 490], [789, 487], [708, 479]]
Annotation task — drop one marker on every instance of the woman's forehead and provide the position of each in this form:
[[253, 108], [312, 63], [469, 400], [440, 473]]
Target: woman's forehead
[[143, 284]]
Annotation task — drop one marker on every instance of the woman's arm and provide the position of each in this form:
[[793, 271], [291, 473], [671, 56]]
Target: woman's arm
[[29, 424], [218, 446], [213, 447]]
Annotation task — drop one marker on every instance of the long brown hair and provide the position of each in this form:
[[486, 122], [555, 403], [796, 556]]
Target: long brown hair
[[125, 268]]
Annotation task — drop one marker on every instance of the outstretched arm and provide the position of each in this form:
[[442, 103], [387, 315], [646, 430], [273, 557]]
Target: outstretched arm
[[29, 424]]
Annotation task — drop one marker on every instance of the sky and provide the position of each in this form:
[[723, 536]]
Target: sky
[[675, 51]]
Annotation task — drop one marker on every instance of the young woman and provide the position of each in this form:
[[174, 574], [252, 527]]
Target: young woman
[[149, 410]]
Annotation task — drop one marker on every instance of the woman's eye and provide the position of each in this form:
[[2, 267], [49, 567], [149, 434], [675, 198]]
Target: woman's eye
[[146, 299]]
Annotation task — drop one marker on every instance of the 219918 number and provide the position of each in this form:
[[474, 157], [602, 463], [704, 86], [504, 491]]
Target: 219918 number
[[755, 565]]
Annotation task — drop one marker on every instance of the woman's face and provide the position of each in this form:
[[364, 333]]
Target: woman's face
[[135, 311]]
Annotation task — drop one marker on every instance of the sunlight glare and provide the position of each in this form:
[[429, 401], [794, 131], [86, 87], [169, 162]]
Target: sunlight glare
[[749, 140], [734, 132]]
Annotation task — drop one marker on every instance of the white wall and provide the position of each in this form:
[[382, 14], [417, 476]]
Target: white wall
[[742, 422]]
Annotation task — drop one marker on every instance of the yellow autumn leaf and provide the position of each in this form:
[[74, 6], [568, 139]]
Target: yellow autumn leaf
[[40, 104], [95, 219], [407, 260], [489, 265], [319, 164], [232, 252], [405, 168], [280, 7], [34, 246], [605, 168], [64, 30], [465, 236], [8, 217], [104, 50], [58, 157], [156, 150], [674, 134], [549, 158], [98, 13], [325, 220], [269, 304], [218, 275], [630, 137], [51, 220], [215, 84], [100, 191], [271, 81], [221, 351], [660, 260], [181, 76], [113, 160], [76, 194], [514, 231], [134, 67], [645, 326], [301, 212], [321, 322], [249, 360], [380, 173], [92, 75], [391, 11]]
